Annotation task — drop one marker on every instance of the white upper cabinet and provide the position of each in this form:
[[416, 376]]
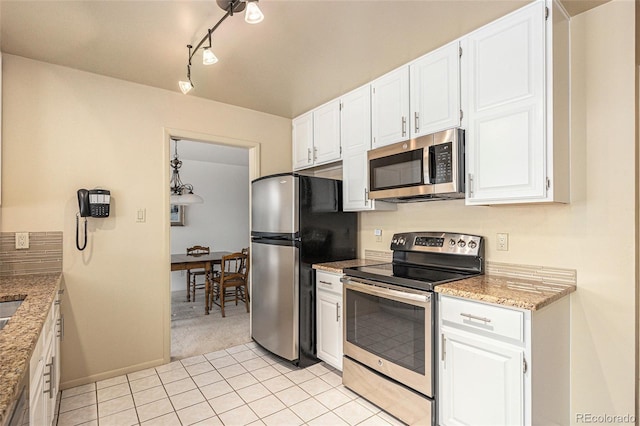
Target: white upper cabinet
[[316, 136], [516, 150], [435, 91], [355, 134], [303, 141], [390, 108], [326, 133]]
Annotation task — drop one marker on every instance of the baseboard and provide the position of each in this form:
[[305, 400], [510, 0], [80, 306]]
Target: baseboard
[[109, 374]]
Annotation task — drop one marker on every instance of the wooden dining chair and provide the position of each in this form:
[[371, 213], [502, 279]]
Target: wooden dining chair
[[231, 283], [193, 274]]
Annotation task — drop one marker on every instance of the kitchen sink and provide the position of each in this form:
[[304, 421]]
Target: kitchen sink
[[7, 309]]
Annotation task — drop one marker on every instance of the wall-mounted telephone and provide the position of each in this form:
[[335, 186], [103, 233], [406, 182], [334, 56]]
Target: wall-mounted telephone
[[93, 203]]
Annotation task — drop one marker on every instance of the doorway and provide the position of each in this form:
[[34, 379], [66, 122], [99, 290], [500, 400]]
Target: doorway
[[221, 174]]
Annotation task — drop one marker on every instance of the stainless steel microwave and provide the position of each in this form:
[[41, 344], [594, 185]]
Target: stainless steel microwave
[[427, 167]]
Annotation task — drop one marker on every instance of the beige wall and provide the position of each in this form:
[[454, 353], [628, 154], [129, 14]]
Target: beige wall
[[65, 129], [581, 235]]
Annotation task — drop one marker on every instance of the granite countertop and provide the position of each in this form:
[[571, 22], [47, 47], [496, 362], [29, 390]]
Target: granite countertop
[[20, 334], [337, 267], [511, 292]]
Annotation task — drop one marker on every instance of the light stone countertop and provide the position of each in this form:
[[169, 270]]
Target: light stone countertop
[[338, 266], [511, 292], [20, 334], [506, 291]]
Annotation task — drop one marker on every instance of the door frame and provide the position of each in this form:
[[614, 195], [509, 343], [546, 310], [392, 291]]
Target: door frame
[[254, 172]]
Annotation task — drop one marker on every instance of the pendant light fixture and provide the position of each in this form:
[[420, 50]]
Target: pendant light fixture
[[181, 193], [253, 15]]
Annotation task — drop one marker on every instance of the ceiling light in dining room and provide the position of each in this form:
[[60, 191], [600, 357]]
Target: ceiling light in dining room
[[181, 193]]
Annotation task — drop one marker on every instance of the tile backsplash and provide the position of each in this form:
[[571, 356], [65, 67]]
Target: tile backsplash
[[44, 254]]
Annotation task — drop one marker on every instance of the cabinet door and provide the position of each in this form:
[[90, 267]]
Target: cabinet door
[[355, 130], [329, 328], [390, 108], [355, 120], [302, 137], [326, 133], [506, 136], [355, 182], [435, 91], [50, 381], [482, 381], [37, 397]]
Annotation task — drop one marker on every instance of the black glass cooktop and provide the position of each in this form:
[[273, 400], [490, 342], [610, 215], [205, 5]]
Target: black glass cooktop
[[404, 275]]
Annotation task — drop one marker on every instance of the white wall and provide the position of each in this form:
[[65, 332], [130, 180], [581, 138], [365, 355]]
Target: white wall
[[595, 234], [222, 222]]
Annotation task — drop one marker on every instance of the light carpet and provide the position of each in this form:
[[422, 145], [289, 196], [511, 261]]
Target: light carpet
[[194, 333]]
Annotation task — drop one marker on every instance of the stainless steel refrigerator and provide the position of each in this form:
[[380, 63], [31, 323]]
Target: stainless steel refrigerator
[[296, 221]]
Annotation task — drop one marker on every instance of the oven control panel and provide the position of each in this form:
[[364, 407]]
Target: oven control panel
[[438, 242]]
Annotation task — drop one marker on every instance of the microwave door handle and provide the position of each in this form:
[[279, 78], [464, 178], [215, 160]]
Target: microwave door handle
[[426, 166], [432, 165]]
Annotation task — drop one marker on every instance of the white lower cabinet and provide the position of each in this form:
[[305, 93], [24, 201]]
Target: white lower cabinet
[[329, 318], [44, 369], [502, 366], [482, 383]]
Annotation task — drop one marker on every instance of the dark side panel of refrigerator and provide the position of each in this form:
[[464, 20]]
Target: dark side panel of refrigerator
[[315, 231]]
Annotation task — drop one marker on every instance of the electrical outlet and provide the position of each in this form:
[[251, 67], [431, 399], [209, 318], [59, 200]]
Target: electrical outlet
[[503, 241], [22, 240], [378, 234]]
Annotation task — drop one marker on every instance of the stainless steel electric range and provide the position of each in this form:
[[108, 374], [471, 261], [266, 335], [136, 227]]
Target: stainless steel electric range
[[390, 315]]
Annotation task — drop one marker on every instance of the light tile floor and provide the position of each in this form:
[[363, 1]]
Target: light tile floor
[[242, 385]]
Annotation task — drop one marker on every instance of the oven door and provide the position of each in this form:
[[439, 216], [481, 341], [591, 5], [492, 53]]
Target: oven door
[[389, 329]]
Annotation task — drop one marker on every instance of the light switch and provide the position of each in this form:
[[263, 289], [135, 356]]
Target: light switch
[[142, 216]]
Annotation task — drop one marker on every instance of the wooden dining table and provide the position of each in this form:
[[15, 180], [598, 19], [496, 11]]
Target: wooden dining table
[[182, 262]]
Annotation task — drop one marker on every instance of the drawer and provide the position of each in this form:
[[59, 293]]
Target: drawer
[[326, 281], [491, 319]]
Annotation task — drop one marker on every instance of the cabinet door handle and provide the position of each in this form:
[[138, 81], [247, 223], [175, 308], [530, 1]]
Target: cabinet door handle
[[404, 126], [308, 155], [50, 375], [366, 197], [61, 328], [337, 311], [315, 154], [416, 116], [474, 317]]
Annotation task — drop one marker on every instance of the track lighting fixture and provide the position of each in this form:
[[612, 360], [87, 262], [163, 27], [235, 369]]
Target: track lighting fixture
[[253, 15]]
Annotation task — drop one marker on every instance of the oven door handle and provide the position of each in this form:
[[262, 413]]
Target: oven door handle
[[374, 288]]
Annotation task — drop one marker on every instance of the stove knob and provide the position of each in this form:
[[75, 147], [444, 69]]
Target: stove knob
[[401, 241], [452, 242], [461, 243], [472, 244]]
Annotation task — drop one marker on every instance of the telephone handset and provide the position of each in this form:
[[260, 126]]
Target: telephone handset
[[93, 203]]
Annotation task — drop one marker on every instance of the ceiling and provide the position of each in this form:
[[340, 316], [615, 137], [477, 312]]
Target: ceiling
[[304, 53]]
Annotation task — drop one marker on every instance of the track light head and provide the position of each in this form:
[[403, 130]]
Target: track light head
[[253, 15]]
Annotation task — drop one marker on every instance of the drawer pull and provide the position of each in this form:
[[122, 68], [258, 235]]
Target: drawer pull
[[474, 317], [325, 282]]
